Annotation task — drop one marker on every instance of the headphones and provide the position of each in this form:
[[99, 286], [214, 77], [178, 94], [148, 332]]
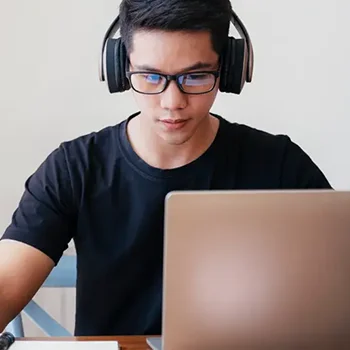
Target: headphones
[[237, 60]]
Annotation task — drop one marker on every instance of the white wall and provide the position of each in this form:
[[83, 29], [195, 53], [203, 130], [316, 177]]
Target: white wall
[[49, 88]]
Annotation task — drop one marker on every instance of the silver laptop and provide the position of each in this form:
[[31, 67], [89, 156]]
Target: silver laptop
[[256, 270]]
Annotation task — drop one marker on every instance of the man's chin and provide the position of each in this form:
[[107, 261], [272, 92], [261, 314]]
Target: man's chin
[[175, 140]]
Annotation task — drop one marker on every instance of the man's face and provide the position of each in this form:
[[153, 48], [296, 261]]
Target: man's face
[[173, 115]]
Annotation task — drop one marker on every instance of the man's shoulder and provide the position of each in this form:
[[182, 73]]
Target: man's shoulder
[[93, 141], [275, 156], [249, 138], [92, 153]]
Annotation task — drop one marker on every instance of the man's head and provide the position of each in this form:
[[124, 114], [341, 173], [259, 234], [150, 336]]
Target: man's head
[[173, 37]]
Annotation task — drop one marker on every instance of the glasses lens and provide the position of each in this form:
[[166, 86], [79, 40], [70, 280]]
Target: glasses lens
[[148, 83], [196, 83]]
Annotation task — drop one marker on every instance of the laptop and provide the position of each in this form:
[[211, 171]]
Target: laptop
[[256, 270]]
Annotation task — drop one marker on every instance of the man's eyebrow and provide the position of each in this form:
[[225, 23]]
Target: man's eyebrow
[[196, 66]]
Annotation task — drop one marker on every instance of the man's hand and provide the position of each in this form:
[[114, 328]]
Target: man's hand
[[23, 269]]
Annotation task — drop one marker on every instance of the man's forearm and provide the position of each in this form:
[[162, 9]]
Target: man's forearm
[[7, 312], [23, 269]]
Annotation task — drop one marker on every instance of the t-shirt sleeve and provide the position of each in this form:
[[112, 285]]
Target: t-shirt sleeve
[[44, 218], [299, 171]]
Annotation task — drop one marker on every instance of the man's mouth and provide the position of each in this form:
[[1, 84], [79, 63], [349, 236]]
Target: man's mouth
[[174, 124]]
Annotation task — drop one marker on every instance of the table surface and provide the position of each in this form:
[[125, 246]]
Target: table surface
[[125, 343]]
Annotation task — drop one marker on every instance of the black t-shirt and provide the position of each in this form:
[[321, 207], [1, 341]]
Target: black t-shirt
[[98, 192]]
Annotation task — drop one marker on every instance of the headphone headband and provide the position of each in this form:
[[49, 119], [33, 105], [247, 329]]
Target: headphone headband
[[243, 32], [113, 28]]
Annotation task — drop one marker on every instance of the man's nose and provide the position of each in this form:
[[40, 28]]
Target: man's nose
[[172, 98]]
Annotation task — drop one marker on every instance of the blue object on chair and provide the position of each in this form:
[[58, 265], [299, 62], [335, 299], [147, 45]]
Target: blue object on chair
[[62, 276]]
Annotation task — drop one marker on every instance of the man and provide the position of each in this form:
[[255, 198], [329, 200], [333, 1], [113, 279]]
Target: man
[[106, 190]]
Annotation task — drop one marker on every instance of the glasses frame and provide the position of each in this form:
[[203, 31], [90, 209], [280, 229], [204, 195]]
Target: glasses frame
[[174, 77]]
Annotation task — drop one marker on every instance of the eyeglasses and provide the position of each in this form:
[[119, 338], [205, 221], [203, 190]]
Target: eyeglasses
[[194, 83]]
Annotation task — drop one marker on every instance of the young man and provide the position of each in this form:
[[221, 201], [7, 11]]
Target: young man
[[106, 190]]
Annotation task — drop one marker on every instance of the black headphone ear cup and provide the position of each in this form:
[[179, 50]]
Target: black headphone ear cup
[[123, 59], [110, 60], [225, 57], [240, 72], [233, 66], [233, 69], [115, 59]]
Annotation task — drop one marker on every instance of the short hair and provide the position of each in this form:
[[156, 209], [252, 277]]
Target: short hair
[[212, 16]]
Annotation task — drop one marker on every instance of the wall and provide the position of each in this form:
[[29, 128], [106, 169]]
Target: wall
[[49, 88]]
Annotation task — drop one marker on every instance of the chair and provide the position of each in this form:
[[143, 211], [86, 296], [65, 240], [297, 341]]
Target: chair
[[62, 276]]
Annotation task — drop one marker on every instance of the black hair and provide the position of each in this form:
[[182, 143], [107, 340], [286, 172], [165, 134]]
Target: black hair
[[174, 15]]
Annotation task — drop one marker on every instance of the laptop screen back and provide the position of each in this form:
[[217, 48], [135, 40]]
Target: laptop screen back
[[257, 270]]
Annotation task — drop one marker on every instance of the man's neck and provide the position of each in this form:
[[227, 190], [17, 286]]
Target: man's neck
[[159, 154]]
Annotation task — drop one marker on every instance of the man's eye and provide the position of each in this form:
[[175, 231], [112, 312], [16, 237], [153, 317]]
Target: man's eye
[[196, 79], [195, 76], [153, 78]]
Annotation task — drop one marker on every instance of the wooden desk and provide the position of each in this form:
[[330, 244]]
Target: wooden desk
[[125, 343]]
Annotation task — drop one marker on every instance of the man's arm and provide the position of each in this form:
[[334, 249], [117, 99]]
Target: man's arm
[[41, 228], [23, 269]]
